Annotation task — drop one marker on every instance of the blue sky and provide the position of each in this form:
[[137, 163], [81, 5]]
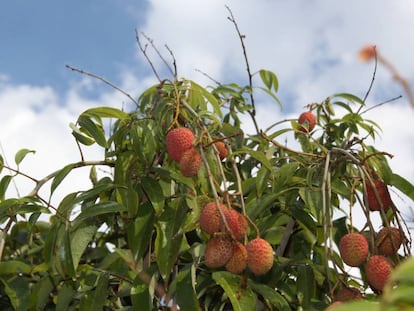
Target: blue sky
[[39, 38], [311, 45]]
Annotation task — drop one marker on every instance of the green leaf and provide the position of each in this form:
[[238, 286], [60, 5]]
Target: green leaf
[[350, 97], [65, 297], [94, 130], [95, 299], [81, 137], [80, 239], [4, 184], [358, 306], [305, 286], [60, 176], [14, 267], [20, 155], [269, 79], [41, 293], [403, 185], [140, 230], [17, 289], [106, 207], [186, 294], [154, 193], [169, 236], [241, 298], [142, 295], [106, 112], [270, 295]]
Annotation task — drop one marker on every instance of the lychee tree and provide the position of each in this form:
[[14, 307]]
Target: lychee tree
[[137, 238]]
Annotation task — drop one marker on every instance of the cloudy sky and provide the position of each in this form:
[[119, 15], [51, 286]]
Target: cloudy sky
[[311, 45]]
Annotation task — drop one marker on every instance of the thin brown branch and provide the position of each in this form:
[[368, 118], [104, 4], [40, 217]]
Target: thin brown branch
[[92, 75], [143, 50], [246, 59]]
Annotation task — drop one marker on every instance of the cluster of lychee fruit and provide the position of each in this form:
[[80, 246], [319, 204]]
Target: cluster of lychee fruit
[[354, 251], [225, 248], [180, 148]]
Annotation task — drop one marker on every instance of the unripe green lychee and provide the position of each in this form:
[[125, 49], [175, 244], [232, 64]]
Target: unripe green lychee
[[218, 252], [238, 261], [259, 256], [190, 162], [353, 248], [177, 141], [377, 270], [210, 218]]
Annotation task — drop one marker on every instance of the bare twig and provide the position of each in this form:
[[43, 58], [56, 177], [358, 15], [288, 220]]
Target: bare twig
[[92, 75], [143, 50], [246, 59]]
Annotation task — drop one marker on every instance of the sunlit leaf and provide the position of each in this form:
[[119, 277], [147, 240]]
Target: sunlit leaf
[[106, 112], [21, 154]]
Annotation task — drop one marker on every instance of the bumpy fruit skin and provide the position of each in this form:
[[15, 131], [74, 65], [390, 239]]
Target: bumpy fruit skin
[[238, 262], [353, 248], [348, 293], [178, 140], [383, 195], [236, 222], [218, 252], [222, 150], [259, 256], [388, 241], [309, 118], [210, 218], [377, 270], [190, 162]]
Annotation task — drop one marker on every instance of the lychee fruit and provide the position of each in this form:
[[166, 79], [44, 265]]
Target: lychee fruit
[[210, 217], [367, 53], [259, 256], [384, 197], [218, 252], [236, 222], [178, 140], [238, 261], [348, 293], [388, 241], [221, 148], [307, 121], [377, 270], [353, 248], [190, 162]]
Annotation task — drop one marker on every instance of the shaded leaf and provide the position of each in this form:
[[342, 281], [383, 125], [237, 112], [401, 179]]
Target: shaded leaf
[[186, 295]]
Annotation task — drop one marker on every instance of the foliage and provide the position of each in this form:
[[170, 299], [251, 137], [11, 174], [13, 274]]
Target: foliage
[[132, 240]]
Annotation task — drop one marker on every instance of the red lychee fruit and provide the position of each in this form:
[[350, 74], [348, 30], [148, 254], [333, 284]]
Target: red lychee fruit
[[384, 197], [307, 121], [178, 140], [353, 248], [221, 148], [377, 270], [367, 53], [388, 241], [218, 252], [190, 162], [236, 222], [210, 218], [238, 262], [348, 293], [259, 256]]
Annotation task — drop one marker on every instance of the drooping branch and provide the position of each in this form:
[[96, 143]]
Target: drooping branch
[[92, 75]]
